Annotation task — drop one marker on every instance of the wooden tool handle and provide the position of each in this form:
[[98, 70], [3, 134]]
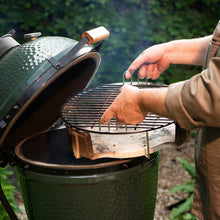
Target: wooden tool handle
[[96, 35]]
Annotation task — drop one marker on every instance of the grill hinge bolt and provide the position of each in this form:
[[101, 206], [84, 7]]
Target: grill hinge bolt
[[54, 62]]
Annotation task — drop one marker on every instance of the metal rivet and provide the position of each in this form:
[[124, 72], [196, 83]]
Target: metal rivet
[[125, 165], [26, 166], [7, 117], [58, 67]]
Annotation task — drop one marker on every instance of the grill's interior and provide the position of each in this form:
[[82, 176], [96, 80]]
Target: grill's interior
[[84, 110], [45, 109]]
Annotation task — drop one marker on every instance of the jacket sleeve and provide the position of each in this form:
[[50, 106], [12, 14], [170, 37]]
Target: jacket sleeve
[[195, 103]]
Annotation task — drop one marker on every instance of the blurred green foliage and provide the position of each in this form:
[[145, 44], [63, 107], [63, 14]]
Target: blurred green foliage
[[133, 24], [9, 190], [182, 212]]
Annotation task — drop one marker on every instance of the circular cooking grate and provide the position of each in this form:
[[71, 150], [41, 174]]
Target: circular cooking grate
[[84, 110]]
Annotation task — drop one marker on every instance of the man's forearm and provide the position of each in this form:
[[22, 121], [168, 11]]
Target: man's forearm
[[191, 52], [153, 100]]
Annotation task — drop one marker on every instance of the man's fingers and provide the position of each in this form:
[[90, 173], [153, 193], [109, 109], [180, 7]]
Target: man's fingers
[[155, 74], [107, 116], [128, 74], [141, 60], [142, 72], [138, 62], [110, 112], [119, 122]]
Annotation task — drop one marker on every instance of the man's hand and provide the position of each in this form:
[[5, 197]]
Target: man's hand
[[152, 62], [125, 108], [132, 105]]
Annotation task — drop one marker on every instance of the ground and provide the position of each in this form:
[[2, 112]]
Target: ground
[[170, 174]]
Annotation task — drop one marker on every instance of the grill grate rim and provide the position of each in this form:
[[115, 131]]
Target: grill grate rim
[[84, 110]]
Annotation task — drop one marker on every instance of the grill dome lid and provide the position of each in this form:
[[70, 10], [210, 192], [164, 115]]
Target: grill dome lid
[[35, 79]]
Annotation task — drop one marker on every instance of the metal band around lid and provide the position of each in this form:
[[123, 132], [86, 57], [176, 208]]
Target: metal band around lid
[[6, 43]]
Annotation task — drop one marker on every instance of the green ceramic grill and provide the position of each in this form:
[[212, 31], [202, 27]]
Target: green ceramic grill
[[56, 185], [36, 78]]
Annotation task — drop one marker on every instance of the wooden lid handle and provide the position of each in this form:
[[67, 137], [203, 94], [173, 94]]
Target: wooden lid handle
[[96, 35]]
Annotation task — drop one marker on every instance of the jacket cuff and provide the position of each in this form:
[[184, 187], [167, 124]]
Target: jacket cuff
[[175, 108]]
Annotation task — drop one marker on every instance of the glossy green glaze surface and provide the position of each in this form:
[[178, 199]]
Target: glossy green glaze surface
[[23, 65], [124, 194]]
